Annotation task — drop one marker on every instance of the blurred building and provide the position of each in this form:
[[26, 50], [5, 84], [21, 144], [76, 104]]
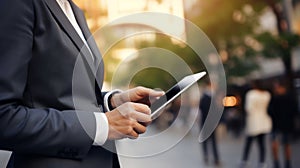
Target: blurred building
[[99, 13]]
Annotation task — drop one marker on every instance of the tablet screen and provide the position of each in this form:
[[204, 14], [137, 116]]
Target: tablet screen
[[174, 92]]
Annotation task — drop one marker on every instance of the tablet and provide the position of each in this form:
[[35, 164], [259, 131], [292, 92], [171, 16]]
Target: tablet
[[157, 106]]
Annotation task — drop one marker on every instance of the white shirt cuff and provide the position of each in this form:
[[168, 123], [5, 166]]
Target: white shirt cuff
[[106, 97], [101, 129]]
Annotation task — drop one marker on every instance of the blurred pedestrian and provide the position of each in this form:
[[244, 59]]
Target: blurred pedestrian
[[258, 122], [205, 102], [282, 111]]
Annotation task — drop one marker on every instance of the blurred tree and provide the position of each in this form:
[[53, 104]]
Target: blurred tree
[[233, 26], [281, 44]]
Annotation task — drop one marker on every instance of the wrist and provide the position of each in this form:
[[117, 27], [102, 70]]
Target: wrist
[[115, 100], [110, 99]]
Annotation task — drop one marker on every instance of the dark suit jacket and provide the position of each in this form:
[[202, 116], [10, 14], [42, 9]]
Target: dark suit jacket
[[204, 106], [48, 89]]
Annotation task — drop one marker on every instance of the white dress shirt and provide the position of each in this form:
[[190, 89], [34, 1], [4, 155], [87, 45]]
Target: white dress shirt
[[67, 9], [101, 119]]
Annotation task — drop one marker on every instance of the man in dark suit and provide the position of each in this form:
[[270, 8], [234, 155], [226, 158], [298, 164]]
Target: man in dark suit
[[205, 102], [51, 104]]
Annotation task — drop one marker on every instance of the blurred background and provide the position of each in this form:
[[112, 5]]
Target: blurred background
[[255, 40]]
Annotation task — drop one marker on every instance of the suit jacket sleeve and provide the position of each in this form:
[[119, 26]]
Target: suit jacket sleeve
[[50, 132]]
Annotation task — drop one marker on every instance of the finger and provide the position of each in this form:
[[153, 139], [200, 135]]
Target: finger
[[143, 91], [127, 108], [142, 113], [135, 111], [135, 129], [155, 93], [145, 123], [121, 126], [125, 129], [140, 117], [133, 135], [150, 95], [142, 108], [130, 130], [138, 93], [139, 128]]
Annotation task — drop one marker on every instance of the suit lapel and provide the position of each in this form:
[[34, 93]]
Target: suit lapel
[[85, 30], [70, 31], [64, 22], [98, 62]]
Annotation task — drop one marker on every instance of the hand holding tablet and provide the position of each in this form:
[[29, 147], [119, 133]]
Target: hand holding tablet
[[174, 92]]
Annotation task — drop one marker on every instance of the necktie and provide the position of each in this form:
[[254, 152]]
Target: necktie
[[67, 9]]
